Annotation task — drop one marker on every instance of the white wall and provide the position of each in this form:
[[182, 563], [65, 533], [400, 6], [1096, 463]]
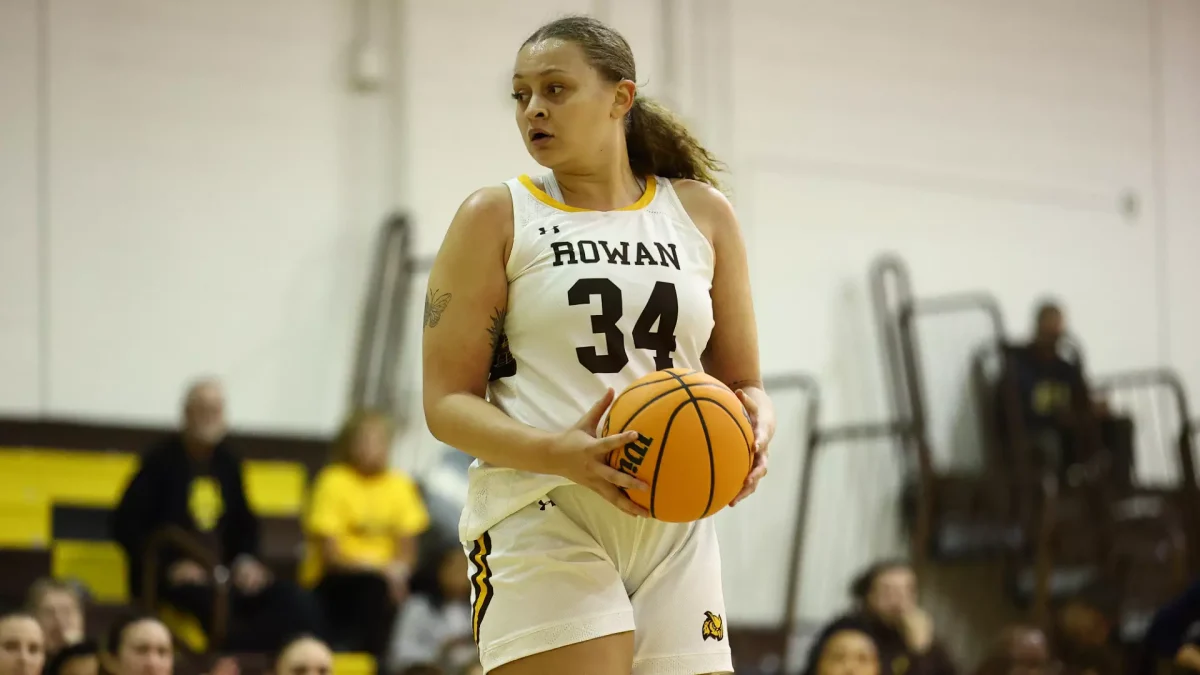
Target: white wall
[[212, 189], [20, 299], [1179, 25]]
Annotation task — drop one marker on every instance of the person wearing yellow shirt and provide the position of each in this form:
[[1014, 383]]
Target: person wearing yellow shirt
[[361, 526]]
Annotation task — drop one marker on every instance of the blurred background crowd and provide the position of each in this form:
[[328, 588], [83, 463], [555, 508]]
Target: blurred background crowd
[[215, 222]]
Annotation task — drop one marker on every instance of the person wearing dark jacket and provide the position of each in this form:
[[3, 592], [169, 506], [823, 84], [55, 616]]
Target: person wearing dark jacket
[[192, 481], [886, 598], [1174, 635]]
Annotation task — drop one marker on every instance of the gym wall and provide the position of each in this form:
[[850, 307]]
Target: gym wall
[[195, 187]]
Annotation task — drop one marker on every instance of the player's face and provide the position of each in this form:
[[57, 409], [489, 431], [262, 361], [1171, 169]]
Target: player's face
[[565, 109], [848, 652]]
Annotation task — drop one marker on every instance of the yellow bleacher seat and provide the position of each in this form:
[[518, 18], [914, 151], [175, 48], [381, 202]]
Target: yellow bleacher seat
[[99, 565], [96, 479], [24, 523], [275, 488], [79, 478], [353, 664]]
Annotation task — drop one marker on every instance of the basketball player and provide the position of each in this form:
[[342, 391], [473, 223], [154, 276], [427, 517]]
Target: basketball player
[[547, 294]]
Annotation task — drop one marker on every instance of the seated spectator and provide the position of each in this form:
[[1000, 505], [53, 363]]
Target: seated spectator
[[1021, 650], [361, 526], [844, 647], [22, 650], [1073, 434], [435, 624], [192, 481], [80, 658], [58, 607], [303, 655], [886, 599], [138, 645]]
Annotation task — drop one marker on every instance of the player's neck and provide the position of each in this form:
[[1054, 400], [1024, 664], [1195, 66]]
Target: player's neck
[[613, 187]]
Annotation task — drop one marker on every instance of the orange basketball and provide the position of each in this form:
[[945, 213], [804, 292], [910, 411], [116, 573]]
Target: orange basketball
[[694, 447]]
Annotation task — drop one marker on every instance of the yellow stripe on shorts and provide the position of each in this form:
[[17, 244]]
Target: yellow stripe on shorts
[[481, 582]]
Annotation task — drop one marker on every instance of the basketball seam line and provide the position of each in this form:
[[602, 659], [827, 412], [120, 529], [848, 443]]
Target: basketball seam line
[[662, 453], [712, 462]]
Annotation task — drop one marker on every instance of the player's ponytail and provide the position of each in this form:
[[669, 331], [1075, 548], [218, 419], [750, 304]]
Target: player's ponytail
[[660, 144]]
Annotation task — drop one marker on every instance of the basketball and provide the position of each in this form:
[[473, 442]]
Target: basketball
[[695, 443]]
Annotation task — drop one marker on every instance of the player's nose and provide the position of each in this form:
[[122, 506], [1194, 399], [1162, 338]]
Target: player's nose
[[536, 110]]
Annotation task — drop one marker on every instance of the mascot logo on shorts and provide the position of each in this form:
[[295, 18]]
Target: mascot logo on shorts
[[713, 627]]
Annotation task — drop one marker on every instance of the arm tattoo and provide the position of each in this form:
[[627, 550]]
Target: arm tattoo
[[435, 304], [496, 330]]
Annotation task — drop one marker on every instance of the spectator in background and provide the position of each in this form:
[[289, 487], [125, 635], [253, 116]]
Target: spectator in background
[[138, 645], [192, 481], [436, 620], [22, 650], [303, 655], [361, 526], [886, 598], [844, 647], [1083, 635], [1073, 434], [80, 658], [58, 607], [1021, 650]]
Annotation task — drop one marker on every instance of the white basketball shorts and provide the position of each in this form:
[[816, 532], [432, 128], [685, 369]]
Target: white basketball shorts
[[572, 567]]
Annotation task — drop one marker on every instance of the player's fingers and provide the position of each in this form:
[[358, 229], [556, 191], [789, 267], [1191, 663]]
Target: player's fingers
[[619, 478], [749, 403], [609, 443], [618, 499], [747, 490], [591, 419], [757, 473]]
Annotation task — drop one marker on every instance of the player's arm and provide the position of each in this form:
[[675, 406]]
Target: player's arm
[[464, 312], [732, 353]]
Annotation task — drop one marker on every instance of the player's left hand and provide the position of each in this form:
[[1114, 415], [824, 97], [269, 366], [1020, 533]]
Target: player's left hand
[[762, 417]]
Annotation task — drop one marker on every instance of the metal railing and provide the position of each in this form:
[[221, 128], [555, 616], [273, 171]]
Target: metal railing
[[383, 328]]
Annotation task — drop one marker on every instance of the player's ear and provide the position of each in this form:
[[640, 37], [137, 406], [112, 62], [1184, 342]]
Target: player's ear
[[623, 98]]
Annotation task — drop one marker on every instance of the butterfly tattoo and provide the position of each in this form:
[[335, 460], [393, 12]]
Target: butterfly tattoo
[[435, 304]]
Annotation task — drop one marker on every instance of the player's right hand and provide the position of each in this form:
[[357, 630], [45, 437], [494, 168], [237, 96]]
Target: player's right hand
[[578, 455]]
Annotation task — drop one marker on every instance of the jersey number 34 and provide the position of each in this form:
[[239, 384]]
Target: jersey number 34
[[662, 309]]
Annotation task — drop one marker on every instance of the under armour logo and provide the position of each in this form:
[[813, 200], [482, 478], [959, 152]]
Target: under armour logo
[[542, 230], [543, 504]]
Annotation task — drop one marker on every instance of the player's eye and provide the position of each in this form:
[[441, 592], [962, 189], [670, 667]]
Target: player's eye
[[555, 89], [519, 96]]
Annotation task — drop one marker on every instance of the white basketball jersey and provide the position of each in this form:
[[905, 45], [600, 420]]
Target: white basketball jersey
[[596, 299]]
